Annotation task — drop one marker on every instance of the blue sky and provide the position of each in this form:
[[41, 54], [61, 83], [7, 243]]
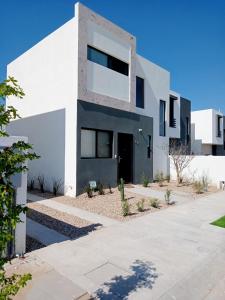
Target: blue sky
[[186, 37]]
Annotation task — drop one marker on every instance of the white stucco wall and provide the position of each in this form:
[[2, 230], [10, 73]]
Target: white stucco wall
[[20, 183], [205, 165], [48, 74]]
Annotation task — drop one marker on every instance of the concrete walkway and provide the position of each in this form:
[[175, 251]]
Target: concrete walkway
[[171, 254], [81, 213], [44, 234]]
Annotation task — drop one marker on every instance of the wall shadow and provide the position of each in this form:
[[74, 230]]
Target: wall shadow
[[120, 287]]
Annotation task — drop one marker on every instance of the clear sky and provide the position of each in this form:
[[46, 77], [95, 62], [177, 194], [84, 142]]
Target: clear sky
[[187, 37]]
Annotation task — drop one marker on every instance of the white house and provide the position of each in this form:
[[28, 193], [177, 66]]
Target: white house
[[94, 109], [207, 132]]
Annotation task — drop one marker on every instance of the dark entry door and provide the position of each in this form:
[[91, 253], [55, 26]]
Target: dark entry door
[[125, 157]]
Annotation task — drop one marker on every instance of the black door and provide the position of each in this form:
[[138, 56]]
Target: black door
[[125, 157]]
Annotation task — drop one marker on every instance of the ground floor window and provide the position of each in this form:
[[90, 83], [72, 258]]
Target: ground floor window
[[96, 143]]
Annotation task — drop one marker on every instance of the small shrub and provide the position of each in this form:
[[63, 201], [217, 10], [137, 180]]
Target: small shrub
[[41, 182], [121, 189], [198, 187], [144, 180], [89, 191], [154, 202], [140, 205], [159, 177], [110, 189], [125, 208], [31, 182], [205, 182], [168, 178], [101, 189], [56, 186], [167, 196]]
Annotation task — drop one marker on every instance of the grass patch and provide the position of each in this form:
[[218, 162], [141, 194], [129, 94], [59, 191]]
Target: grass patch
[[220, 222]]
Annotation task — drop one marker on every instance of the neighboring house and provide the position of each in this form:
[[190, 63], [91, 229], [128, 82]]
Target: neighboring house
[[207, 128], [18, 245], [94, 109]]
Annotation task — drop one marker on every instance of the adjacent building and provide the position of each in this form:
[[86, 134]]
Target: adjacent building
[[94, 109]]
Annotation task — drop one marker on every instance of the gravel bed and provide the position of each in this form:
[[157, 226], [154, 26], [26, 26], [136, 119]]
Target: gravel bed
[[63, 223], [32, 244], [110, 204]]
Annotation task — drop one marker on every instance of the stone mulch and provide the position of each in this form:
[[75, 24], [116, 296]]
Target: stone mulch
[[32, 244], [63, 223], [109, 204]]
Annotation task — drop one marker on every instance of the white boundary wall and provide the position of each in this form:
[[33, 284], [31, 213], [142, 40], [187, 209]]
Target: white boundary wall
[[212, 166], [20, 182]]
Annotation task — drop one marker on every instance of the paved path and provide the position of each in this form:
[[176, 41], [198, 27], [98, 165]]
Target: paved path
[[81, 213], [44, 234], [171, 254]]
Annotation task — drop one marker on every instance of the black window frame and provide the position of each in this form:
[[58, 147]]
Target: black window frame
[[113, 63], [140, 94], [149, 147], [163, 102], [172, 119], [219, 132], [96, 143]]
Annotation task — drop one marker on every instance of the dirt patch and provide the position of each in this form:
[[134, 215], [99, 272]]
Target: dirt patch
[[109, 204]]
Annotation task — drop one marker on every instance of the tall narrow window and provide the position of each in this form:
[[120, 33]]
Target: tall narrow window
[[88, 149], [106, 60], [172, 117], [187, 130], [219, 133], [140, 92], [149, 149], [162, 118]]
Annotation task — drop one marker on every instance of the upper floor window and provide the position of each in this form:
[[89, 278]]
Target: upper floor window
[[96, 143], [140, 92], [162, 118], [172, 120], [219, 132], [106, 60]]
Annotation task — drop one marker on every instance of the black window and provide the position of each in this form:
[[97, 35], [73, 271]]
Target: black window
[[96, 143], [107, 60], [219, 133], [187, 130], [162, 118], [149, 149], [172, 117], [140, 92]]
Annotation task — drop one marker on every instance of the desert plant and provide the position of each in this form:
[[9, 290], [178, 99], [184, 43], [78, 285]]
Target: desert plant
[[144, 180], [140, 205], [89, 191], [31, 183], [125, 208], [110, 189], [101, 189], [56, 186], [121, 189], [41, 182], [167, 196], [205, 182], [159, 177], [198, 187], [154, 202], [168, 178]]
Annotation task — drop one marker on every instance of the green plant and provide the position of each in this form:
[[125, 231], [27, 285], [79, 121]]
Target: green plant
[[12, 161], [140, 205], [89, 191], [110, 189], [154, 202], [56, 186], [31, 183], [121, 189], [41, 182], [159, 177], [145, 180], [198, 187], [167, 196], [125, 208], [168, 178], [101, 189]]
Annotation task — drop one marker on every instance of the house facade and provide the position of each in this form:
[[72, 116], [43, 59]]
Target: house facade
[[94, 109], [207, 128]]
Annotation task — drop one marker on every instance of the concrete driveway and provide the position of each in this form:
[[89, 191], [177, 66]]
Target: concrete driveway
[[172, 254]]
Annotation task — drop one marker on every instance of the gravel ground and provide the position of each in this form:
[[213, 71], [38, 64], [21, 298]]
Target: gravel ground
[[32, 244], [63, 223], [110, 204]]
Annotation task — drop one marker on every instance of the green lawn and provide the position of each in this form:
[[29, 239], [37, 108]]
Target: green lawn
[[220, 222]]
